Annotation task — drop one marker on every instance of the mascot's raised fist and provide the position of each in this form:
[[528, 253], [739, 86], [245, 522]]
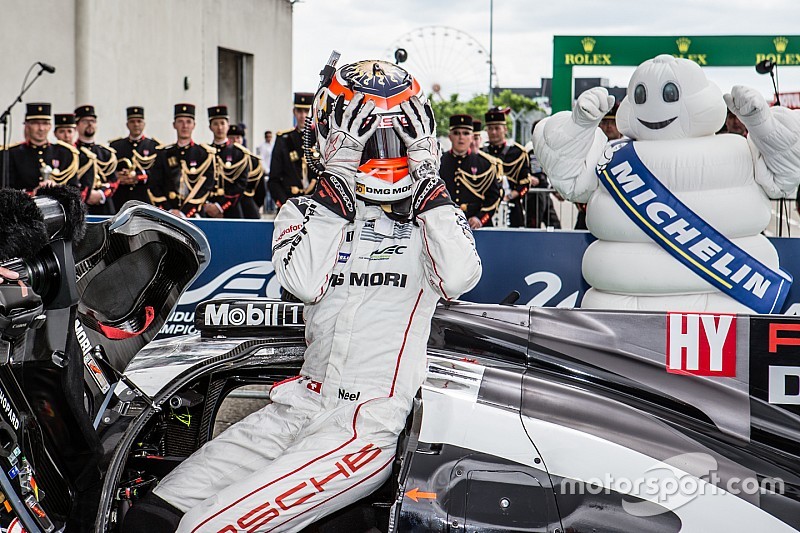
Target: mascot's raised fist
[[591, 106], [746, 103]]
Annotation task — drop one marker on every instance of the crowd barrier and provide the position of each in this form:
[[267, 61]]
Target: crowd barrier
[[785, 220], [544, 266]]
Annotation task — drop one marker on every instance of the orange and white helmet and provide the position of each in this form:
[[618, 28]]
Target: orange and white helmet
[[383, 172]]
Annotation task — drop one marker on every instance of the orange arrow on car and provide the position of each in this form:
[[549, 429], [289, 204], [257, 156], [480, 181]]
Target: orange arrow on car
[[416, 495]]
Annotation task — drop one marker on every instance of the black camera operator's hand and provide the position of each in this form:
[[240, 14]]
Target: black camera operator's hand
[[6, 274]]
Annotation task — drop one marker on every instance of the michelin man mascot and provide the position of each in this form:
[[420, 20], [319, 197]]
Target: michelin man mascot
[[677, 210]]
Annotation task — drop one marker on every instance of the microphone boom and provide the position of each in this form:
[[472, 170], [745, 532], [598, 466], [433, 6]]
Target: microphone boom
[[47, 68]]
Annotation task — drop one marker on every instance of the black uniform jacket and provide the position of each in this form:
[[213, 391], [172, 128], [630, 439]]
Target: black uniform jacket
[[516, 164], [138, 157], [233, 167], [183, 177], [28, 165], [472, 180], [288, 168]]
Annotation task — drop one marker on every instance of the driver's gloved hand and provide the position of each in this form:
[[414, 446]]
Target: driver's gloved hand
[[419, 136], [351, 127]]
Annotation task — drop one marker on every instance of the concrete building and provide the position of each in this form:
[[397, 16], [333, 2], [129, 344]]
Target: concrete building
[[153, 53]]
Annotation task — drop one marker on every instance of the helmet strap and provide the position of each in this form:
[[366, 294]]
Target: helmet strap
[[399, 211]]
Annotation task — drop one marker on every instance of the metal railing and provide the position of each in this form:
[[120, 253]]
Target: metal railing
[[784, 222]]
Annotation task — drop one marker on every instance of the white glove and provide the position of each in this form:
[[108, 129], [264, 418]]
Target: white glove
[[419, 137], [591, 107], [350, 128], [749, 105]]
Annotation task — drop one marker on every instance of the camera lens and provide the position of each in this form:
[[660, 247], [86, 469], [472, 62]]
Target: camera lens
[[41, 273]]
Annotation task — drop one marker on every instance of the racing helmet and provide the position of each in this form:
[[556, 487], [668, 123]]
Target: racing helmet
[[382, 176]]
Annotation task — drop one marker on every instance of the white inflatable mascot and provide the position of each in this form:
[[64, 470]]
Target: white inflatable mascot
[[678, 211]]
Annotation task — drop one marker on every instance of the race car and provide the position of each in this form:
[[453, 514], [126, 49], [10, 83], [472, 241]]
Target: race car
[[530, 419]]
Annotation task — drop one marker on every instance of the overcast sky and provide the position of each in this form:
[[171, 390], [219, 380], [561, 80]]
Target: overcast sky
[[523, 34]]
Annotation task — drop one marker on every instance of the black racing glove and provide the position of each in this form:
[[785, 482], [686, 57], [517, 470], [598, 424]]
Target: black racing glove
[[334, 193], [429, 192]]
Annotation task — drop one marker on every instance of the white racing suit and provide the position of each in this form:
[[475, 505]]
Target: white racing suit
[[329, 436]]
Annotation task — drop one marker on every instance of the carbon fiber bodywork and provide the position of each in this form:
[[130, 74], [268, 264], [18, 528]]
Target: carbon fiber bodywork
[[525, 410], [604, 375], [523, 414]]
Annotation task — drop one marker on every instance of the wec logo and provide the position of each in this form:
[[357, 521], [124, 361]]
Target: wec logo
[[701, 345], [386, 253]]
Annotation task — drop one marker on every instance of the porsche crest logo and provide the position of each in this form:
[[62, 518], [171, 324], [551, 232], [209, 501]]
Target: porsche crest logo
[[377, 77]]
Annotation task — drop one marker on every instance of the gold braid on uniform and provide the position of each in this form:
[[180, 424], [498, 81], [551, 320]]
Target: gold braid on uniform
[[511, 169], [106, 168], [496, 165], [478, 184], [102, 169], [143, 162], [254, 176], [90, 157], [65, 175], [492, 207], [229, 172], [189, 177]]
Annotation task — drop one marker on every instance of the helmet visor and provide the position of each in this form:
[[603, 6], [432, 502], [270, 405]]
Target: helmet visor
[[384, 144]]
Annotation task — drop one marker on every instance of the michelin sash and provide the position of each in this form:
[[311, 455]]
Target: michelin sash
[[686, 236]]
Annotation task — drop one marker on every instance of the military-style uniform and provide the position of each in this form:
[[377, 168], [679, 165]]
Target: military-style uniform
[[136, 156], [473, 183], [255, 177], [233, 166], [97, 167], [289, 175], [233, 163], [255, 182], [29, 165], [183, 177], [472, 178], [515, 166]]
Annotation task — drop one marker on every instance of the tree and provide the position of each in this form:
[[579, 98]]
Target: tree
[[476, 107]]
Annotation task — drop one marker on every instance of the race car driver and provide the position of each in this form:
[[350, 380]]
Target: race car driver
[[370, 253]]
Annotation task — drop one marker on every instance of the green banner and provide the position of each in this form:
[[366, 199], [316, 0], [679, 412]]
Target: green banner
[[707, 51]]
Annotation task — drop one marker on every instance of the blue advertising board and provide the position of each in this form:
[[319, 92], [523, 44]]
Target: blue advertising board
[[544, 266]]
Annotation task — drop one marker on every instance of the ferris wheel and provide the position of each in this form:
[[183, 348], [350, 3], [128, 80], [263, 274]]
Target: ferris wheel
[[445, 61]]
